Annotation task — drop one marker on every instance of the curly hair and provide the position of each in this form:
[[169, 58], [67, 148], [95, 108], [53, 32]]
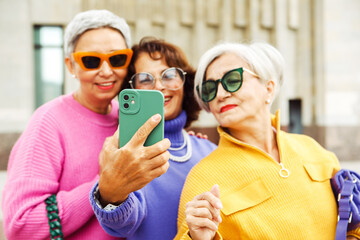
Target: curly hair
[[174, 57]]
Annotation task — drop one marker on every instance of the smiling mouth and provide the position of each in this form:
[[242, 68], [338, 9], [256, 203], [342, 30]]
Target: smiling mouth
[[167, 100], [106, 85], [227, 108]]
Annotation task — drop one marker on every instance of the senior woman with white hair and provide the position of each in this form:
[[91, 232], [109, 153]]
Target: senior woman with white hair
[[57, 154], [261, 182]]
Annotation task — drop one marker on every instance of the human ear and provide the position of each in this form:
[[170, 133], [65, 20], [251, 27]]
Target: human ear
[[270, 88], [69, 65]]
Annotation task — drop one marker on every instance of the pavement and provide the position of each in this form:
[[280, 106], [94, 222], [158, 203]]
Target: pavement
[[353, 165]]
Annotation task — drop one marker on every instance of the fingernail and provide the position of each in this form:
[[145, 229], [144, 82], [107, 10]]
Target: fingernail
[[219, 219], [219, 205], [156, 117]]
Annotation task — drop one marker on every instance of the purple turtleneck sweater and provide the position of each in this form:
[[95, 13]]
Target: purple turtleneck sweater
[[151, 212]]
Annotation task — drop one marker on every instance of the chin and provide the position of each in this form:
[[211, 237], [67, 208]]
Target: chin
[[168, 115], [225, 123], [171, 111], [108, 96]]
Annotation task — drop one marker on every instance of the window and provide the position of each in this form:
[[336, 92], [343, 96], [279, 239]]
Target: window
[[295, 124], [49, 63]]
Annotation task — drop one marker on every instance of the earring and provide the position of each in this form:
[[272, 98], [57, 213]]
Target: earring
[[73, 75], [268, 101]]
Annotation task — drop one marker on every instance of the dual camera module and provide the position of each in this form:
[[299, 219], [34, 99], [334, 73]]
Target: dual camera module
[[126, 98], [129, 101]]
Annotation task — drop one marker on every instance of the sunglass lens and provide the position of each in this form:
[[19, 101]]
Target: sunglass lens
[[118, 60], [232, 81], [208, 90], [91, 62]]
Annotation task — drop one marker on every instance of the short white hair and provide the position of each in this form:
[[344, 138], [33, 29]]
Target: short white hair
[[93, 19], [263, 59]]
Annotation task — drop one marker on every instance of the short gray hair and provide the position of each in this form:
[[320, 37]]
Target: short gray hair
[[263, 59], [93, 19]]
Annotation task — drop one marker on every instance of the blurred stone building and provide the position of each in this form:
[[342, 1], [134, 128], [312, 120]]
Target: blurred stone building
[[320, 40]]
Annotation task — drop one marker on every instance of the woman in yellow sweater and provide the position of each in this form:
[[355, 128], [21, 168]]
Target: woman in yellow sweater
[[261, 182]]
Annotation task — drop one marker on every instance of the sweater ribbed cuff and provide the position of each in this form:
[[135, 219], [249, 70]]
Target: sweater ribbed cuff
[[120, 213]]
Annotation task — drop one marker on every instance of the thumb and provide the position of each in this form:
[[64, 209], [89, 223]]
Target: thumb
[[143, 132], [215, 190]]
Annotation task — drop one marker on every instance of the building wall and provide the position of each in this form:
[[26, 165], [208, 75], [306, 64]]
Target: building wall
[[318, 38], [336, 98]]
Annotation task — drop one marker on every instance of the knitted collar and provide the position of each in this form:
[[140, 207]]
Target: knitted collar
[[173, 129]]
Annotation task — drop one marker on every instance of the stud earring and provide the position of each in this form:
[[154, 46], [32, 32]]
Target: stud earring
[[73, 75], [268, 101]]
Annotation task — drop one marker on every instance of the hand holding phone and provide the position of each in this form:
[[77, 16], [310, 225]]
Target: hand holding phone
[[142, 155]]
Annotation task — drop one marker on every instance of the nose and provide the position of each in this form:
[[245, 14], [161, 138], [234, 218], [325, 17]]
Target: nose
[[158, 84], [105, 69], [221, 92]]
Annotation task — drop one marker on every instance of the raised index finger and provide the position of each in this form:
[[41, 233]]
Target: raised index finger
[[143, 132], [211, 198]]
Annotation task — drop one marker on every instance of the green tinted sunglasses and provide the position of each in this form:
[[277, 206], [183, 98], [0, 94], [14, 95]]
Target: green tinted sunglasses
[[231, 82]]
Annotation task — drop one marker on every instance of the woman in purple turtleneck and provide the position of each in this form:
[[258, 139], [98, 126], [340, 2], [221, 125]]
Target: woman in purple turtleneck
[[136, 199]]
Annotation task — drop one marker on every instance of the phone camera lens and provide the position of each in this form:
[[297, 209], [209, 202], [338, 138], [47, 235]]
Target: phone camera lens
[[126, 97], [126, 105]]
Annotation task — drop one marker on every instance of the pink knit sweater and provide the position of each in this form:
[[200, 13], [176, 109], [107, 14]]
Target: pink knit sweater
[[56, 154]]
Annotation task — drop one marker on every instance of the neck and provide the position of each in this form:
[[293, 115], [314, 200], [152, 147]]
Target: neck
[[91, 104], [258, 133]]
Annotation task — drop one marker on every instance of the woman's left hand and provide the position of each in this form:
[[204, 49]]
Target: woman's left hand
[[203, 214], [199, 135]]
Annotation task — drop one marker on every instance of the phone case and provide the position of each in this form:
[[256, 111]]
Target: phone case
[[135, 108]]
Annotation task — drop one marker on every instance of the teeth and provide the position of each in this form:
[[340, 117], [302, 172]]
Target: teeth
[[167, 98], [106, 84]]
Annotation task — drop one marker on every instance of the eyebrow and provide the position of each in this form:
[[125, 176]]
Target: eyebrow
[[164, 70], [218, 78], [244, 69], [209, 79], [152, 73]]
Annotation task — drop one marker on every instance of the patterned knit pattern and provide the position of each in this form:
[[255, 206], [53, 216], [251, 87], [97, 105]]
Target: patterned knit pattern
[[258, 202], [56, 154], [151, 212]]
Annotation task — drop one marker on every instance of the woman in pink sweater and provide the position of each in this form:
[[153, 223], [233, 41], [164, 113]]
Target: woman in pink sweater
[[57, 154]]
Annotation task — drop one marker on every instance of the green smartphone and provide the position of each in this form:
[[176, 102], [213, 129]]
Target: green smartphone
[[135, 108]]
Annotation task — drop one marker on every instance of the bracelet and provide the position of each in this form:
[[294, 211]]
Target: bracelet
[[54, 220], [109, 207]]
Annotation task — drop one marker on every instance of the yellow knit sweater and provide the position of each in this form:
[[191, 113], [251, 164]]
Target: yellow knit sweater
[[258, 202]]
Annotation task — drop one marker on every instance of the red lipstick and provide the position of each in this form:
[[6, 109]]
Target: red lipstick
[[227, 107], [106, 86]]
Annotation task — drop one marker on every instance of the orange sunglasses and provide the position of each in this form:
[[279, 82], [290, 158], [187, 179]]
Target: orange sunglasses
[[93, 60]]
